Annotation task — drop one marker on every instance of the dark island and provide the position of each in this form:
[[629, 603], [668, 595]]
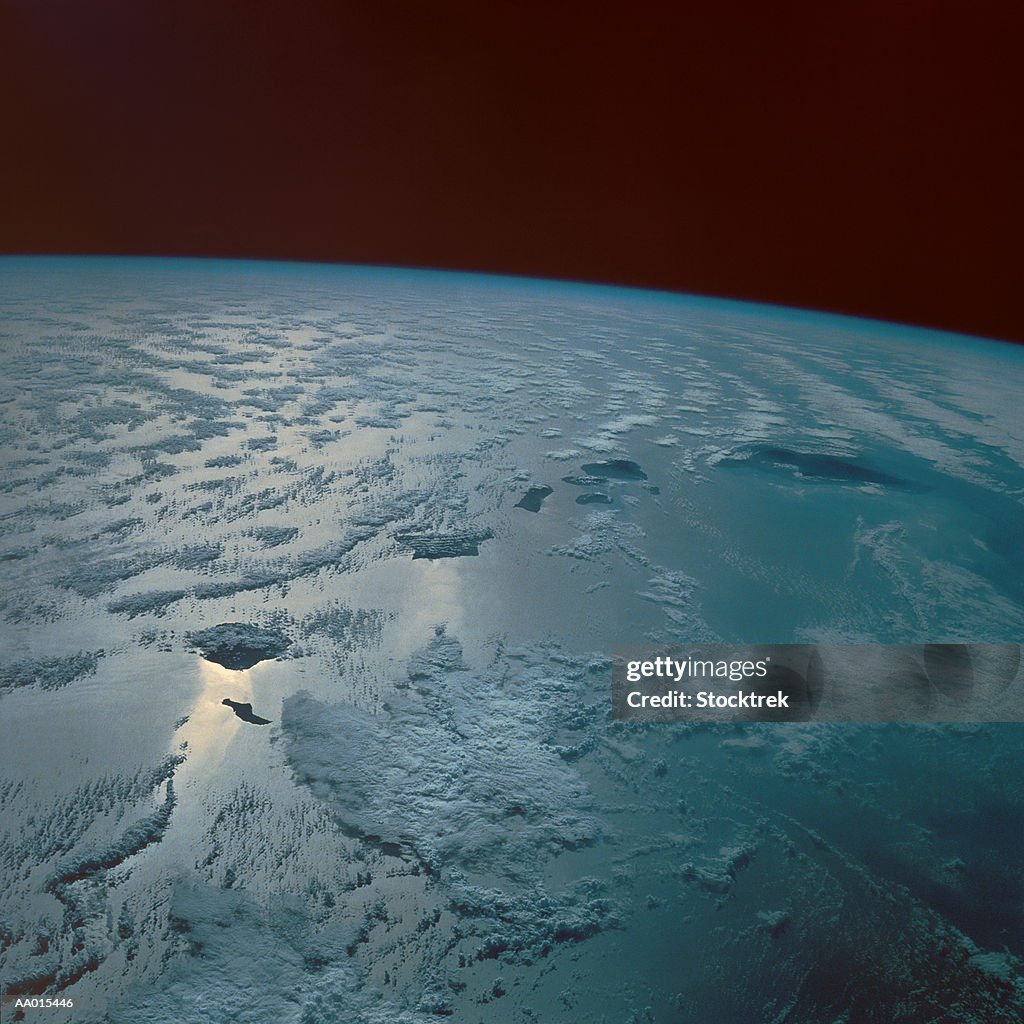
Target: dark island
[[238, 646], [245, 712]]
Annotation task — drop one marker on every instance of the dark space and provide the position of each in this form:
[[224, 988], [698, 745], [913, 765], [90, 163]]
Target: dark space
[[862, 159]]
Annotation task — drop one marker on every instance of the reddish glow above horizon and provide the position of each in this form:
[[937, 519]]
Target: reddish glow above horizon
[[859, 161]]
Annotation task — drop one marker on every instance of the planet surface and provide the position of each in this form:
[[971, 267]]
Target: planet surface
[[311, 577]]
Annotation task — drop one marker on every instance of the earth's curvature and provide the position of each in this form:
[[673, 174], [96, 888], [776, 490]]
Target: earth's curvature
[[405, 516]]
